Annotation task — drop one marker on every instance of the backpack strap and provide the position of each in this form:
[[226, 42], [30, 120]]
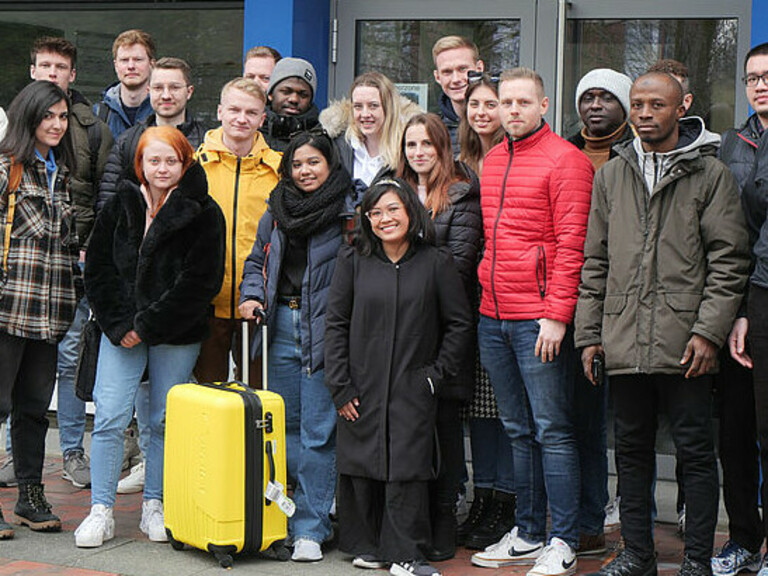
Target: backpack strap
[[14, 180]]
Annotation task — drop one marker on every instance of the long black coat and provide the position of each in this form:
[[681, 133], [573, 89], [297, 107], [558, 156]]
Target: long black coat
[[390, 328], [460, 229], [160, 285]]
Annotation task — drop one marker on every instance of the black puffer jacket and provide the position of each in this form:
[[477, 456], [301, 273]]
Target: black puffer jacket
[[160, 285], [120, 161], [738, 149], [460, 229]]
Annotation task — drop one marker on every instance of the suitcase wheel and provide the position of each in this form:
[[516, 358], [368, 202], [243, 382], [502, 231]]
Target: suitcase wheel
[[175, 544], [225, 560]]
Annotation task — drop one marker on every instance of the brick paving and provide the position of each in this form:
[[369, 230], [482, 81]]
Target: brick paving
[[72, 505]]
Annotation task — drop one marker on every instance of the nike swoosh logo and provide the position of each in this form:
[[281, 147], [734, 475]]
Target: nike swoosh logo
[[567, 565], [513, 552]]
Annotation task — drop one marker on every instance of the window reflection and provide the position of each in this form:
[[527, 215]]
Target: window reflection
[[402, 49], [706, 46], [210, 39]]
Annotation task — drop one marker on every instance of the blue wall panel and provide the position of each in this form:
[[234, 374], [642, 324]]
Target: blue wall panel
[[298, 28], [759, 22]]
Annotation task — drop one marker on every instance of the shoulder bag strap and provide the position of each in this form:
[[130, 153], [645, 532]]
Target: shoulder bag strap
[[14, 180]]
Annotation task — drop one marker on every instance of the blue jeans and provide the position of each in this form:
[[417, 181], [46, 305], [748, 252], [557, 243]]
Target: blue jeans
[[118, 376], [535, 401], [310, 429], [591, 430], [492, 460], [70, 410]]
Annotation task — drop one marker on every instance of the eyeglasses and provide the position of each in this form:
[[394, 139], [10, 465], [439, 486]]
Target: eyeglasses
[[475, 76], [752, 80], [376, 214], [172, 88]]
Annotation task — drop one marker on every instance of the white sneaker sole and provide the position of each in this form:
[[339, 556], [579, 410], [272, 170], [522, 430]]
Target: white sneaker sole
[[82, 542], [368, 564], [66, 476], [565, 572], [528, 559]]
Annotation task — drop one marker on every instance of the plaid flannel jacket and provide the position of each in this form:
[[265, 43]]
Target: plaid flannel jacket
[[37, 288]]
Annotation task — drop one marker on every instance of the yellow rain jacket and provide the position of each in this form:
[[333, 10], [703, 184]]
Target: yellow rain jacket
[[241, 187]]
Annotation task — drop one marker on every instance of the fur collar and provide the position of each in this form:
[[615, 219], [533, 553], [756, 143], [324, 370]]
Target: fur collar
[[338, 116]]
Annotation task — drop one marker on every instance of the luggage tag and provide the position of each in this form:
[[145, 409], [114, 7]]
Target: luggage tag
[[275, 492]]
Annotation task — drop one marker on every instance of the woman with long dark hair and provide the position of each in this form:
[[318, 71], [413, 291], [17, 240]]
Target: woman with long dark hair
[[154, 263], [480, 128], [397, 326], [451, 194], [38, 281], [287, 275]]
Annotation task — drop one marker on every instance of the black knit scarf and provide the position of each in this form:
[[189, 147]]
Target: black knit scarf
[[303, 214]]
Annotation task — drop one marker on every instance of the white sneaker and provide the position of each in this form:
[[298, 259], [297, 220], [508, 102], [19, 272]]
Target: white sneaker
[[305, 550], [153, 521], [134, 482], [612, 517], [557, 559], [368, 562], [98, 527], [510, 550]]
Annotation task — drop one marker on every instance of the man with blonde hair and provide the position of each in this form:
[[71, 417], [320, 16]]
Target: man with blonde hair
[[454, 58], [242, 170], [535, 212], [259, 63], [126, 102]]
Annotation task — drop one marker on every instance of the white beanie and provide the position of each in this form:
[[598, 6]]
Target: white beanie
[[609, 80], [293, 68]]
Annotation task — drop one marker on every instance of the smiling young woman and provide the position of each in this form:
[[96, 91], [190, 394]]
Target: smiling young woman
[[38, 281], [397, 292], [287, 274], [158, 242]]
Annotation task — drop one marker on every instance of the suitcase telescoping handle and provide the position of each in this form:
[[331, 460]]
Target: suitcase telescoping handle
[[261, 318]]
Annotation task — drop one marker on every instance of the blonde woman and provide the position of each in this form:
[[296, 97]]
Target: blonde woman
[[368, 126]]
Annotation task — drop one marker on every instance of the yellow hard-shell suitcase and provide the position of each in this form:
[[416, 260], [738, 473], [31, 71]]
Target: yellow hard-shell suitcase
[[224, 449]]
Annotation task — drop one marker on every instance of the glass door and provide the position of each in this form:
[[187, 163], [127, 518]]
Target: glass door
[[709, 37], [561, 39], [396, 38]]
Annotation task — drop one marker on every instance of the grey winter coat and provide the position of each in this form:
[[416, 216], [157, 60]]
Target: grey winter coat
[[661, 267]]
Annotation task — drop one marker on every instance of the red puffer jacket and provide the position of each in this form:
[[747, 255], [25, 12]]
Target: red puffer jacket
[[535, 199]]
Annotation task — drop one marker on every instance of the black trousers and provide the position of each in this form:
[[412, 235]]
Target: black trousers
[[444, 489], [757, 312], [387, 520], [739, 455], [637, 401], [27, 377]]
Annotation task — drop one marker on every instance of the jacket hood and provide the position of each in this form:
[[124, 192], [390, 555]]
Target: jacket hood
[[214, 142], [694, 141], [338, 116], [111, 94], [693, 136], [466, 189]]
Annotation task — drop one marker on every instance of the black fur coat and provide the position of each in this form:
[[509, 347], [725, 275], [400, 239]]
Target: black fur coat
[[160, 285]]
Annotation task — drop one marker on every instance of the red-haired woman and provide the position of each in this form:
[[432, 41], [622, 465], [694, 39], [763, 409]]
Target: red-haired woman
[[155, 261], [451, 194]]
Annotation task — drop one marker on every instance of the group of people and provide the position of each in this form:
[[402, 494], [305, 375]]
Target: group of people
[[416, 272]]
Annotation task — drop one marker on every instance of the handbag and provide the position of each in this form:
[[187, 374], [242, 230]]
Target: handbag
[[87, 358]]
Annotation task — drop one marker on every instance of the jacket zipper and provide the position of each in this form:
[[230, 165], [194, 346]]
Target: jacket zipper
[[496, 227], [234, 239], [391, 362]]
